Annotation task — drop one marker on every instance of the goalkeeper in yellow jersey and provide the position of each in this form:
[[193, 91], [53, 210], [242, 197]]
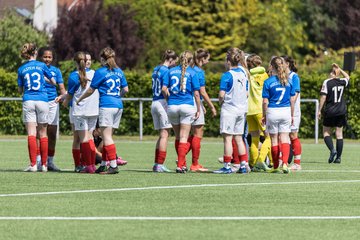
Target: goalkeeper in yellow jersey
[[254, 115]]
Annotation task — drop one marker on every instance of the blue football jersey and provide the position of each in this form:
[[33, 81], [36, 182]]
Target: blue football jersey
[[277, 94], [51, 89], [157, 81], [31, 78], [109, 83], [191, 83], [201, 76], [295, 80]]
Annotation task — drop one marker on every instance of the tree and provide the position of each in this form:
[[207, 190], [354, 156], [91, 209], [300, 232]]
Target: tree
[[214, 25], [346, 14], [155, 30], [274, 30], [14, 32], [92, 27]]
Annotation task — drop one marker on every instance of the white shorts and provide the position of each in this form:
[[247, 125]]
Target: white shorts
[[296, 126], [82, 123], [110, 117], [71, 116], [53, 117], [201, 119], [231, 123], [35, 112], [159, 115], [181, 114], [278, 120]]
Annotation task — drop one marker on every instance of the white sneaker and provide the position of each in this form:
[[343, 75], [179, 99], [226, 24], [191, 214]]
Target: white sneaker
[[295, 167], [44, 168], [235, 167], [31, 168]]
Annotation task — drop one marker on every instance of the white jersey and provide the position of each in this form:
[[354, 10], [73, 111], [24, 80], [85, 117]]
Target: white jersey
[[296, 82], [236, 100], [89, 106]]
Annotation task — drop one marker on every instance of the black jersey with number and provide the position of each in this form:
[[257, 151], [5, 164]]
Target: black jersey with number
[[334, 89]]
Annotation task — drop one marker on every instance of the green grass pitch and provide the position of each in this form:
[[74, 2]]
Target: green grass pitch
[[139, 204]]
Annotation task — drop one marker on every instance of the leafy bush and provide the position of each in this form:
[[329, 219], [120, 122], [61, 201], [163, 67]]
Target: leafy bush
[[14, 32]]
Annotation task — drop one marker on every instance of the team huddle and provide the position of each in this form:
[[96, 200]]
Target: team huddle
[[261, 103]]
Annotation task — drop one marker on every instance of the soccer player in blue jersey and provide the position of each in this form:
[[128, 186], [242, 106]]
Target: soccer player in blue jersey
[[84, 114], [159, 108], [181, 84], [201, 57], [233, 102], [278, 112], [31, 82], [112, 85], [295, 142], [46, 55]]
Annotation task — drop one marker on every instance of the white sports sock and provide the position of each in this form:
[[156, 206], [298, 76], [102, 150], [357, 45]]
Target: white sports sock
[[38, 158], [113, 164], [103, 163]]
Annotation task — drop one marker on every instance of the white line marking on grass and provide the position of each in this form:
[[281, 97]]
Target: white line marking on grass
[[188, 218], [176, 187]]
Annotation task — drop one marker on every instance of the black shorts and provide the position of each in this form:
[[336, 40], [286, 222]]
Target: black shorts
[[337, 121]]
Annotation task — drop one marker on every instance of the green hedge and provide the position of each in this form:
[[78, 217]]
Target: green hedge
[[140, 86]]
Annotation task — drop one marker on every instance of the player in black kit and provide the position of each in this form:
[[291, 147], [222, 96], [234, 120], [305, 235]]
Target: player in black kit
[[334, 111]]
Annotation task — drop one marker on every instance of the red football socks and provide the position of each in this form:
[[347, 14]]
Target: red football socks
[[76, 156], [275, 156], [285, 148], [110, 152], [195, 147], [32, 148], [296, 147], [182, 150]]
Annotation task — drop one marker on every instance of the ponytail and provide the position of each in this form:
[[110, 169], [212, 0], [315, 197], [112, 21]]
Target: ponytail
[[108, 54], [198, 55], [28, 50], [277, 66], [186, 59], [169, 54], [80, 59], [291, 63]]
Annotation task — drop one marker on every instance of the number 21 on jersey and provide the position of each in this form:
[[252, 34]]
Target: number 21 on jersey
[[175, 87]]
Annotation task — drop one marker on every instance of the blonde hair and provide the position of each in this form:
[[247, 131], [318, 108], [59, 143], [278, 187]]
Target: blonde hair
[[277, 66], [186, 59], [80, 59], [28, 50], [109, 55]]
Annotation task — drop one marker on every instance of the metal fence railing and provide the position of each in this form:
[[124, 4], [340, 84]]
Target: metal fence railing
[[142, 100]]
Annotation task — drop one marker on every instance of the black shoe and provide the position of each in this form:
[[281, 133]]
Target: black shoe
[[181, 170], [332, 156], [101, 169], [337, 160], [112, 170]]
